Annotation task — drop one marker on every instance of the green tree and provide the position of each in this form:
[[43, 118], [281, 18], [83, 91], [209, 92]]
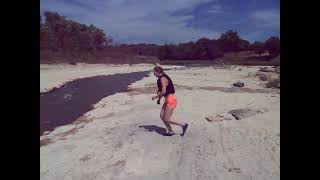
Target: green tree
[[258, 47], [165, 52], [273, 46], [214, 50], [60, 33], [47, 39], [244, 45], [230, 41]]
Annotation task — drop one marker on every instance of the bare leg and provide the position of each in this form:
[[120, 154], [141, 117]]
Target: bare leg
[[169, 112], [167, 117], [175, 123], [162, 118], [162, 112], [168, 126]]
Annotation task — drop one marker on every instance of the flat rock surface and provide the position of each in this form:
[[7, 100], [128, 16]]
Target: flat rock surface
[[120, 139]]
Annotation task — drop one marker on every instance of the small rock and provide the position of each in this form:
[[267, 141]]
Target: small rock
[[243, 113], [209, 119], [216, 119], [67, 96], [219, 117], [240, 69], [238, 84], [72, 63], [265, 69], [225, 115], [259, 111], [234, 169]]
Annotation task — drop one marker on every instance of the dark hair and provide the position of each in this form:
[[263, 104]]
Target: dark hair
[[158, 69]]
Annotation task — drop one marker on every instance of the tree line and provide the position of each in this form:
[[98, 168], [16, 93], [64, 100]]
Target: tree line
[[207, 49], [58, 34]]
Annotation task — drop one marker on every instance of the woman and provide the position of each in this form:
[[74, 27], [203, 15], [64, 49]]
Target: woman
[[166, 89]]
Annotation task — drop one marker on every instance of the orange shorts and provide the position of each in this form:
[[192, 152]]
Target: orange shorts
[[171, 101]]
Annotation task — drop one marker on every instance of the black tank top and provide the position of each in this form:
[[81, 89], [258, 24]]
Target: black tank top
[[169, 88]]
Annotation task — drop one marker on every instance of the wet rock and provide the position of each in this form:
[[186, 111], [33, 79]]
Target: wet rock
[[210, 118], [265, 69], [243, 113], [238, 84], [67, 96], [219, 118]]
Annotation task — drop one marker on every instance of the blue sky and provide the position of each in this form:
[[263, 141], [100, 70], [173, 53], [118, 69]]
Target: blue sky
[[173, 21]]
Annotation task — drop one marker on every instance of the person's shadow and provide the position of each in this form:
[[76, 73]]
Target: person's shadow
[[152, 128]]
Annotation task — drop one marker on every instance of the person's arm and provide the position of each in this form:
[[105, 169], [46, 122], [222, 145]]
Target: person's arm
[[163, 90], [163, 85], [159, 99]]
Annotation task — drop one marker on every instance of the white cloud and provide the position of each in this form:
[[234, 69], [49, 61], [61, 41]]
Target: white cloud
[[266, 18], [215, 9], [148, 21]]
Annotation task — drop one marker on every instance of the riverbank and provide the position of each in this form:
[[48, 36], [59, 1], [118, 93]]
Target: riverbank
[[55, 75], [121, 137]]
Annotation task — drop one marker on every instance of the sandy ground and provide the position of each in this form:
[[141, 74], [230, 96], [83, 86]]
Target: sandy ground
[[107, 142]]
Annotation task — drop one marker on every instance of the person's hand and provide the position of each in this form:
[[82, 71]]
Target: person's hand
[[154, 97]]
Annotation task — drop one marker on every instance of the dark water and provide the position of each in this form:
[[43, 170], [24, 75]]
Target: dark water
[[65, 104]]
